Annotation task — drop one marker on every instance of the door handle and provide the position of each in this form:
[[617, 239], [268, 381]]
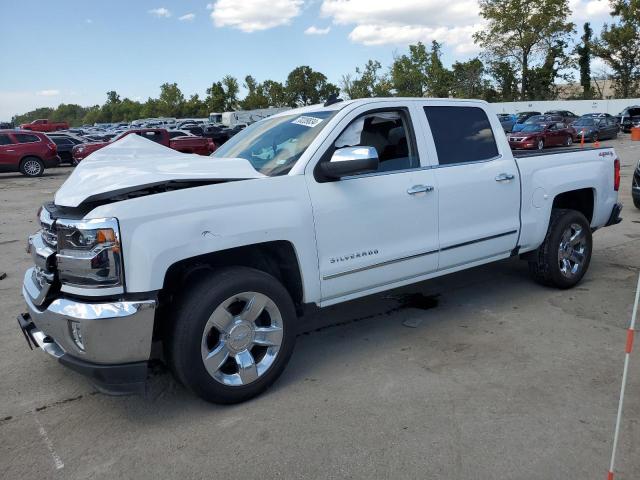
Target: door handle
[[419, 189], [10, 150], [505, 177]]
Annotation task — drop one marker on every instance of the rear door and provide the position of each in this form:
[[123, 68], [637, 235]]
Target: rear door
[[477, 183], [8, 155]]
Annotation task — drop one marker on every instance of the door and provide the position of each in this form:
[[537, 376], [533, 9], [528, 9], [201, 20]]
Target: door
[[8, 156], [380, 228], [478, 185]]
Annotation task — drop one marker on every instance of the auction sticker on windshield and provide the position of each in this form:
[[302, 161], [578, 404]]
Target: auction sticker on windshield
[[307, 121]]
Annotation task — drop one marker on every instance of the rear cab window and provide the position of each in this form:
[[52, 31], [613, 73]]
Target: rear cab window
[[461, 134]]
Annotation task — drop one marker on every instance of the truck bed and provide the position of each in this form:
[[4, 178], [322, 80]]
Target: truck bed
[[554, 151]]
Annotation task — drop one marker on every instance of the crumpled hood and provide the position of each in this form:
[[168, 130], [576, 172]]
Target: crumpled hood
[[136, 161]]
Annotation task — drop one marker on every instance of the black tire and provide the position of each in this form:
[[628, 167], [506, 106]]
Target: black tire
[[636, 202], [540, 144], [568, 141], [544, 265], [31, 167], [192, 312]]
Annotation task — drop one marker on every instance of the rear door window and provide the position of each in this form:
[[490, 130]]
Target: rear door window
[[5, 139], [461, 134], [26, 138]]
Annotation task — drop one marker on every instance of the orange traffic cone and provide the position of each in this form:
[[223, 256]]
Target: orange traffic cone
[[582, 139]]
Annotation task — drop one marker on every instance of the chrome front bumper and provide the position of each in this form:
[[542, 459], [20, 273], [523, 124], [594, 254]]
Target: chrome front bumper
[[112, 332]]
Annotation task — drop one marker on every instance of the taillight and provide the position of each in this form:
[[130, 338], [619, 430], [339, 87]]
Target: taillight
[[616, 174], [53, 147]]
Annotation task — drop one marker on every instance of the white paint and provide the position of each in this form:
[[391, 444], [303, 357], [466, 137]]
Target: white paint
[[323, 221], [579, 107], [57, 461]]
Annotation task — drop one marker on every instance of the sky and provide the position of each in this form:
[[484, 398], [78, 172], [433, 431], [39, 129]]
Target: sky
[[72, 51]]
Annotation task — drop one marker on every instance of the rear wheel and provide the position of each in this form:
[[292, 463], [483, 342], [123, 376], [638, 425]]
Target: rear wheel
[[568, 141], [32, 167], [233, 334], [564, 256]]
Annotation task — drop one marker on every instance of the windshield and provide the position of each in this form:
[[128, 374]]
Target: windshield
[[585, 122], [535, 118], [533, 128], [275, 144]]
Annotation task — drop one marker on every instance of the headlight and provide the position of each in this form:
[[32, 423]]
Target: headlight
[[89, 254]]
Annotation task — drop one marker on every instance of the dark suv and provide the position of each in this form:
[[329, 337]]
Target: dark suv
[[629, 117], [27, 152]]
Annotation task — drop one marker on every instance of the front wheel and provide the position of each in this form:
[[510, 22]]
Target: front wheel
[[564, 256], [233, 334], [568, 141], [540, 144]]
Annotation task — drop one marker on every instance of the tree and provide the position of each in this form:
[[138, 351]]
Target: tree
[[367, 83], [171, 101], [305, 86], [223, 96], [542, 80], [275, 93], [619, 47], [230, 85], [468, 79], [255, 97], [438, 79], [194, 107], [505, 79], [520, 32], [408, 72], [584, 61]]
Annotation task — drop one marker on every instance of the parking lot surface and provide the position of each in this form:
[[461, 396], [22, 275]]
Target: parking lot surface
[[498, 378]]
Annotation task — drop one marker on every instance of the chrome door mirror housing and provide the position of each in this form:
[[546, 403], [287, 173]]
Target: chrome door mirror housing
[[350, 161]]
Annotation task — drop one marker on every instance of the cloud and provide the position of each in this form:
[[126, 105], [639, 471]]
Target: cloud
[[209, 6], [48, 93], [160, 12], [401, 22], [594, 11], [88, 20], [313, 30], [254, 15], [187, 17]]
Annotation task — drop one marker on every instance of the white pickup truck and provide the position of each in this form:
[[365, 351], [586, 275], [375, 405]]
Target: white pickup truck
[[214, 258]]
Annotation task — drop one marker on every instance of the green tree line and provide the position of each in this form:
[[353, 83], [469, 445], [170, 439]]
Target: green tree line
[[527, 52]]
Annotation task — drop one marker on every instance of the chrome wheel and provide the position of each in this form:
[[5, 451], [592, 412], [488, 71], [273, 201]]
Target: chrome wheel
[[32, 168], [242, 338], [569, 141], [572, 251], [540, 144]]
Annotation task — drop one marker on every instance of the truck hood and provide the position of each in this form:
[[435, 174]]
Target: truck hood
[[134, 163]]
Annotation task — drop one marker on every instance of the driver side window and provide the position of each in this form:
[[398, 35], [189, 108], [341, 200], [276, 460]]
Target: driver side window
[[389, 132]]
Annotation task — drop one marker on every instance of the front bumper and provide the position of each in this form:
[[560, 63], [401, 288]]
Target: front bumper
[[116, 336]]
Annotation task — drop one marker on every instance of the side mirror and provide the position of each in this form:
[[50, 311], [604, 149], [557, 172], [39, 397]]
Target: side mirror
[[350, 161]]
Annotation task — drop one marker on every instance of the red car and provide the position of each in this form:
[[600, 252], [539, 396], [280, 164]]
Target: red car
[[541, 135], [44, 125], [27, 152], [184, 144]]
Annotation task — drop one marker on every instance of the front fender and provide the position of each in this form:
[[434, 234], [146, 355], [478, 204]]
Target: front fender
[[159, 230]]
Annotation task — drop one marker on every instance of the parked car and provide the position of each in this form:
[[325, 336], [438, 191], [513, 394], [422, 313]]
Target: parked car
[[507, 121], [44, 125], [536, 119], [64, 146], [6, 126], [599, 115], [541, 135], [190, 254], [27, 152], [567, 116], [595, 128], [629, 117], [635, 186], [523, 116], [185, 144]]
